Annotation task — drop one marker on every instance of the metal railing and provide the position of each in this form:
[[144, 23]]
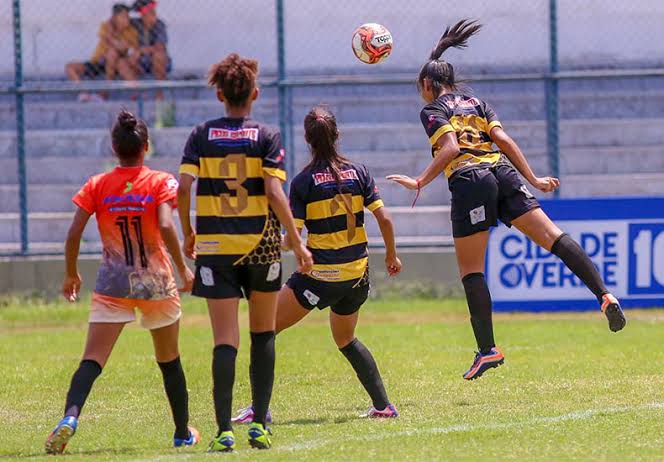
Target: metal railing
[[284, 85]]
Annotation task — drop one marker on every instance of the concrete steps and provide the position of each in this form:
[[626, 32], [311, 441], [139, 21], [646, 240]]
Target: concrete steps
[[422, 221], [350, 105]]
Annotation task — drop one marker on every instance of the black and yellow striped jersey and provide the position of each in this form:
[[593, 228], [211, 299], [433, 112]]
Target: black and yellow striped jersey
[[234, 223], [334, 217], [472, 120]]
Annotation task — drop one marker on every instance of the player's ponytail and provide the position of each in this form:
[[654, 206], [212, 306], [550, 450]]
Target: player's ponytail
[[322, 134], [235, 77], [438, 71], [129, 136]]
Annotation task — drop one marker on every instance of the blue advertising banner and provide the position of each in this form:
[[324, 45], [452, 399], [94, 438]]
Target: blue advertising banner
[[623, 237]]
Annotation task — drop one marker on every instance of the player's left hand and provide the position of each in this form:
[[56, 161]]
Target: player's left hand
[[71, 287], [187, 278], [546, 184], [393, 265], [403, 180]]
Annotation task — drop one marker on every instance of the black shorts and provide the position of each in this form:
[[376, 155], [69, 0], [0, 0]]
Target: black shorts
[[482, 196], [218, 282], [94, 69], [344, 297]]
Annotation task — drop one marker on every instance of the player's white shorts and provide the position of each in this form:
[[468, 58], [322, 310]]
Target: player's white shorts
[[154, 313]]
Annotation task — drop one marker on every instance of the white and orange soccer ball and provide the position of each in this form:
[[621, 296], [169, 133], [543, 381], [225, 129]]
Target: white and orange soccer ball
[[372, 43]]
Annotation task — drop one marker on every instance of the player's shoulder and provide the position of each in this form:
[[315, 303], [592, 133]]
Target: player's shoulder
[[265, 131], [302, 179]]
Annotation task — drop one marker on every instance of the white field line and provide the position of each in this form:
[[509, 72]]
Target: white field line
[[552, 420]]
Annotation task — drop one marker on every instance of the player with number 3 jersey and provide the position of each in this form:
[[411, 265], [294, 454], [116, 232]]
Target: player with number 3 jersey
[[238, 164]]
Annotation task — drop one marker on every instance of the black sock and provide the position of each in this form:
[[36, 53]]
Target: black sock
[[479, 305], [223, 378], [175, 385], [81, 384], [577, 260], [367, 371], [261, 372]]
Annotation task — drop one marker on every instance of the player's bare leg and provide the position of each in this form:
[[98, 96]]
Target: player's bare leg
[[471, 254], [362, 361], [224, 320], [167, 354], [99, 344], [538, 227]]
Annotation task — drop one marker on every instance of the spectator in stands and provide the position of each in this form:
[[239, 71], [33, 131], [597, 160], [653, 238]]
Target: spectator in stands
[[152, 55], [117, 39]]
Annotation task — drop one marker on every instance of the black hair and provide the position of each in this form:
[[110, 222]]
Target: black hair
[[322, 134], [235, 77], [438, 71], [119, 8], [129, 136]]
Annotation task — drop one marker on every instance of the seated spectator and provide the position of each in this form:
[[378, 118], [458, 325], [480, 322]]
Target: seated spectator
[[151, 56], [117, 39]]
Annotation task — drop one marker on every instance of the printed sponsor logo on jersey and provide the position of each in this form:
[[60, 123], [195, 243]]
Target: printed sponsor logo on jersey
[[432, 121], [128, 199], [241, 134], [461, 102], [172, 184], [326, 275], [325, 177]]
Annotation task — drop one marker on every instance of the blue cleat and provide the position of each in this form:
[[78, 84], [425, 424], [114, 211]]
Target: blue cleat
[[259, 436], [58, 439], [194, 438], [482, 363]]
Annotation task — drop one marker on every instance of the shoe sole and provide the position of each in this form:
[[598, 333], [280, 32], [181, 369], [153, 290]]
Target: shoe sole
[[259, 444], [482, 371], [220, 450], [57, 442], [616, 317]]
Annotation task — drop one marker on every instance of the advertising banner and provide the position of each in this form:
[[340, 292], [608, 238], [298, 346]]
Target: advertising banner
[[624, 238]]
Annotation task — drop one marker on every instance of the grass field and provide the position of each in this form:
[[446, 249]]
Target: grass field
[[569, 390]]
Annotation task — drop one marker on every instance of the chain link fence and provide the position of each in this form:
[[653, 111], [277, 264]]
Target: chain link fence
[[508, 64]]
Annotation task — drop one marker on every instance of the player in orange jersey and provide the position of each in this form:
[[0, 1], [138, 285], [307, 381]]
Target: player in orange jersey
[[134, 210]]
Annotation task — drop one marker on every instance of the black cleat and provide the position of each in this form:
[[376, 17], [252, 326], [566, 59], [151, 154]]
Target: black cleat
[[613, 312]]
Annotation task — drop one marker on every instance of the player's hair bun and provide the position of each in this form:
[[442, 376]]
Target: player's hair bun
[[127, 120]]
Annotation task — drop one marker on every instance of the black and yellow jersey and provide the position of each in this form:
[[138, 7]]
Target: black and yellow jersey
[[234, 223], [472, 120], [334, 217]]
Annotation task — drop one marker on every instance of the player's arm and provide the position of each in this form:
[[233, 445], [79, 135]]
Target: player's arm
[[279, 204], [170, 237], [184, 209], [446, 149], [72, 283], [509, 147], [392, 262]]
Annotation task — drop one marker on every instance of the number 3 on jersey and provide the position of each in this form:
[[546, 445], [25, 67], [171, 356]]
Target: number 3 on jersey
[[345, 201], [235, 184]]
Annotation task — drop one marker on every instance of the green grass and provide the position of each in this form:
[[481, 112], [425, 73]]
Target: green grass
[[569, 390]]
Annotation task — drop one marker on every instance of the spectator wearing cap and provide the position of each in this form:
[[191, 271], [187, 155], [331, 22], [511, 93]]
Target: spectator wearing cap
[[117, 39], [152, 55]]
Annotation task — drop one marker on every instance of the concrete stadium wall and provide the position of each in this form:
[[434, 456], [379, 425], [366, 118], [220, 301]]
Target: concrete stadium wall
[[424, 269], [592, 32]]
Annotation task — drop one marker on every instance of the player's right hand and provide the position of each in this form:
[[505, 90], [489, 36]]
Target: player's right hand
[[189, 246], [71, 287], [305, 261], [187, 278], [393, 265]]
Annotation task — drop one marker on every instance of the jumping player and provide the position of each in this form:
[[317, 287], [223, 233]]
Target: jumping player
[[329, 197], [134, 209], [239, 164], [462, 130]]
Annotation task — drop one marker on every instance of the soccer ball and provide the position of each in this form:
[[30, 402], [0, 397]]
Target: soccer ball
[[372, 43]]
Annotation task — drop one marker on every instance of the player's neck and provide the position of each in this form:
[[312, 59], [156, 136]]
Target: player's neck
[[135, 163], [238, 112]]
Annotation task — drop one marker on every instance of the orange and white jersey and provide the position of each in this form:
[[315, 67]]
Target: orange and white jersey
[[135, 262]]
